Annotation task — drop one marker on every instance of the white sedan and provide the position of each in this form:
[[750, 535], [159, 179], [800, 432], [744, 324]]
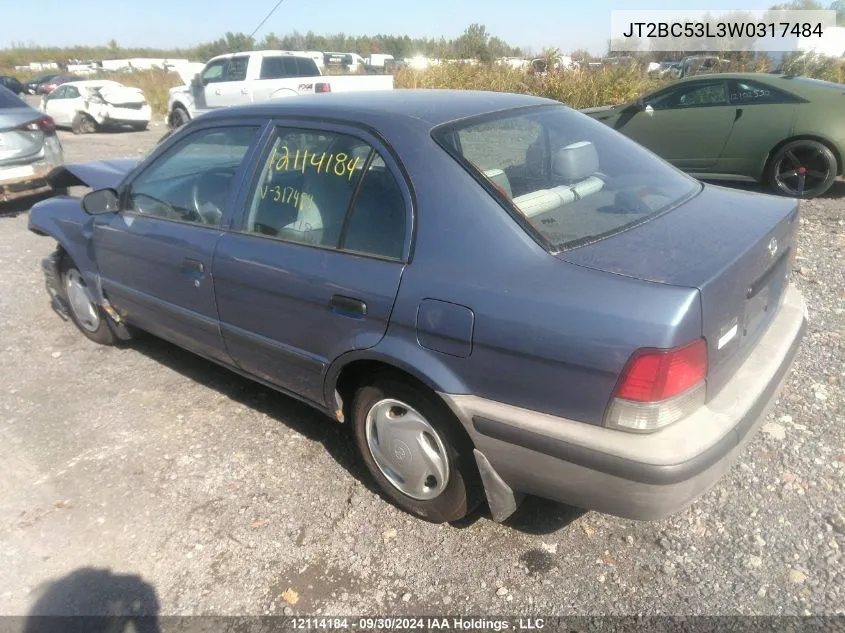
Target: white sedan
[[86, 106]]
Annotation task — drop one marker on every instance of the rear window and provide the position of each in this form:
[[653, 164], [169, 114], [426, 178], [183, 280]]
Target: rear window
[[567, 178], [281, 67], [8, 99]]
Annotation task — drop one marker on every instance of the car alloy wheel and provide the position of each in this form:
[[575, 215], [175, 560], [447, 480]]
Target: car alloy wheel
[[80, 301], [407, 449], [804, 169]]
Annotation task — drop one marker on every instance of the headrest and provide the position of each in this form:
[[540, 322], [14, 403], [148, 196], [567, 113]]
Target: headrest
[[576, 161]]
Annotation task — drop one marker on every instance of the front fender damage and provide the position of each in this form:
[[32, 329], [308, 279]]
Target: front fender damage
[[63, 219]]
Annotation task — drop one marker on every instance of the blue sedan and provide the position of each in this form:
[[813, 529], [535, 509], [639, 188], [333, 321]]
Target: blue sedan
[[498, 295]]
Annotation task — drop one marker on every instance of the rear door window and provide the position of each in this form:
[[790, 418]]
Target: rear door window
[[329, 190], [236, 70], [306, 67]]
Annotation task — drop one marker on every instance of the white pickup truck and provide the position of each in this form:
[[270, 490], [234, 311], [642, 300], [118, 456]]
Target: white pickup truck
[[255, 76]]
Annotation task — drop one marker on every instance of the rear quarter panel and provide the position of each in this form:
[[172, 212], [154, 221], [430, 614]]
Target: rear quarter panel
[[546, 335], [824, 119]]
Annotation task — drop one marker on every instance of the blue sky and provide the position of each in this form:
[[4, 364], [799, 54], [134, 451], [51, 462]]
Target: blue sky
[[563, 24]]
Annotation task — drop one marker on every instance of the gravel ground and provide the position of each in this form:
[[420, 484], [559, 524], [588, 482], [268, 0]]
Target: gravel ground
[[146, 474]]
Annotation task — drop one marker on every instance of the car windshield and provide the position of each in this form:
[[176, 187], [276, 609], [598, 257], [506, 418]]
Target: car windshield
[[566, 177]]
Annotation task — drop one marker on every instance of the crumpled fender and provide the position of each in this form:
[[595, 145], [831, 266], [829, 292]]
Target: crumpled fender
[[64, 219], [98, 174]]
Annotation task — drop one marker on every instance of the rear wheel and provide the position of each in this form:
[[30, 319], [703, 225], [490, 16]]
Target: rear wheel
[[803, 169], [140, 127], [83, 124], [415, 449], [85, 313]]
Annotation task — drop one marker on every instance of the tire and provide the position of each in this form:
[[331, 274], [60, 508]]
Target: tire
[[140, 127], [437, 438], [92, 322], [83, 124], [179, 117], [802, 169]]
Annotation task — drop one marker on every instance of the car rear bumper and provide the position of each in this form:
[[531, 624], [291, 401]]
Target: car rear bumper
[[20, 180], [637, 476], [14, 183]]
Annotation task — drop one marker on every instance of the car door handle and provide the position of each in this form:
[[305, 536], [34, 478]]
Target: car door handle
[[738, 114], [244, 91], [217, 91], [348, 305], [193, 265]]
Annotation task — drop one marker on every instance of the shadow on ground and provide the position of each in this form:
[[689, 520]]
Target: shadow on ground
[[14, 208], [534, 516], [94, 600]]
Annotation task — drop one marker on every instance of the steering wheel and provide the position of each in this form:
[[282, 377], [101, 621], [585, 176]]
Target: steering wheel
[[208, 195]]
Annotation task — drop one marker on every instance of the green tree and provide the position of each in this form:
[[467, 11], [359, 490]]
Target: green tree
[[473, 44]]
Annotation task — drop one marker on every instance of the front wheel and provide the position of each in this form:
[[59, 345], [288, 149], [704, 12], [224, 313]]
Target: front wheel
[[179, 117], [86, 314], [803, 169], [415, 449], [83, 124]]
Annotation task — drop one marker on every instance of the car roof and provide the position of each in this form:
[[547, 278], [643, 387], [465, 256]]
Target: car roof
[[777, 80], [430, 106], [261, 53]]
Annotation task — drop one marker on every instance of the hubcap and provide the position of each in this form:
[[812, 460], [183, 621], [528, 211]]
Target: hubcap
[[802, 170], [83, 307], [407, 449]]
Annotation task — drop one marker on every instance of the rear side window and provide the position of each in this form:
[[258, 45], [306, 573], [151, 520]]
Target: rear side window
[[751, 92], [329, 190], [306, 67], [691, 96], [566, 178], [237, 69], [8, 99]]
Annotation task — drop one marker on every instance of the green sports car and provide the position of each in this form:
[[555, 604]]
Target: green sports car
[[776, 129]]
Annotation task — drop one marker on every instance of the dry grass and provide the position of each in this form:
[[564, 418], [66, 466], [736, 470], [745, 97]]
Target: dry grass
[[581, 89]]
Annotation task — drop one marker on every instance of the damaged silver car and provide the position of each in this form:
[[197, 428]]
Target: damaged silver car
[[29, 148]]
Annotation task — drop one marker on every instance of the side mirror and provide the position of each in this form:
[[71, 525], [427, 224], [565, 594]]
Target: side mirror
[[197, 81], [101, 201]]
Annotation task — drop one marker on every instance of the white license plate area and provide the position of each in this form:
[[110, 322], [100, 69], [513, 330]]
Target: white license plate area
[[13, 173]]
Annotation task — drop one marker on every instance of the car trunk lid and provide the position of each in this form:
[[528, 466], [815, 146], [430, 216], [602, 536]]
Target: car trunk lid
[[18, 144], [735, 247]]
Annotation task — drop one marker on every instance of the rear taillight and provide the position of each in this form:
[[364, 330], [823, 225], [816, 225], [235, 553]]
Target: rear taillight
[[44, 124], [322, 87], [659, 387]]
